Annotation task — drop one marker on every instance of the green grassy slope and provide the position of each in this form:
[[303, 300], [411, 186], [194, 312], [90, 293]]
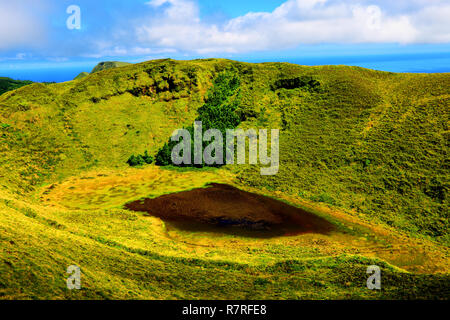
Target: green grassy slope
[[100, 120], [373, 144]]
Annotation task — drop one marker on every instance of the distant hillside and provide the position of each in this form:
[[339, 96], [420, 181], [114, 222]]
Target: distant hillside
[[109, 65], [81, 75], [7, 84], [102, 66]]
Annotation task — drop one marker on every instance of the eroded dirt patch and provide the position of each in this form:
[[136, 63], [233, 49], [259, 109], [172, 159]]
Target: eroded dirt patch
[[226, 207]]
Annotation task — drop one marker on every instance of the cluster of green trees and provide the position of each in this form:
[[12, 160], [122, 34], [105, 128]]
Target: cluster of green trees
[[218, 112], [8, 84], [140, 160]]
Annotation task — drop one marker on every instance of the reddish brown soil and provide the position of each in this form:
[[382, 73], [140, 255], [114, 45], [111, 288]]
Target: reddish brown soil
[[226, 206]]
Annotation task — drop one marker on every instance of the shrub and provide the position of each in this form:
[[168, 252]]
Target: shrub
[[140, 160], [218, 112], [163, 156], [147, 158], [135, 161]]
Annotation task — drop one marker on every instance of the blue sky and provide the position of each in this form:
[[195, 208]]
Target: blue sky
[[236, 8], [400, 35]]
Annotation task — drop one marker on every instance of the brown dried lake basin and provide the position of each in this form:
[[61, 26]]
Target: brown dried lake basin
[[224, 208]]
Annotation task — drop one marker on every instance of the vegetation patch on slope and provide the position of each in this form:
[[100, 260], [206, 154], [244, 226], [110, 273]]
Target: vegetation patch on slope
[[8, 84]]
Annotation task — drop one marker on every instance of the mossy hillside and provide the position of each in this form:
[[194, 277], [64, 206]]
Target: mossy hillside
[[60, 129], [369, 141]]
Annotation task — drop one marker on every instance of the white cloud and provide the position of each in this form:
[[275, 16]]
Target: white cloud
[[178, 9], [434, 24], [19, 26], [177, 25]]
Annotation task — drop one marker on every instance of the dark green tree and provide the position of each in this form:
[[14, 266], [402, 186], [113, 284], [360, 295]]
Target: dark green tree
[[147, 158], [163, 157], [218, 112]]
